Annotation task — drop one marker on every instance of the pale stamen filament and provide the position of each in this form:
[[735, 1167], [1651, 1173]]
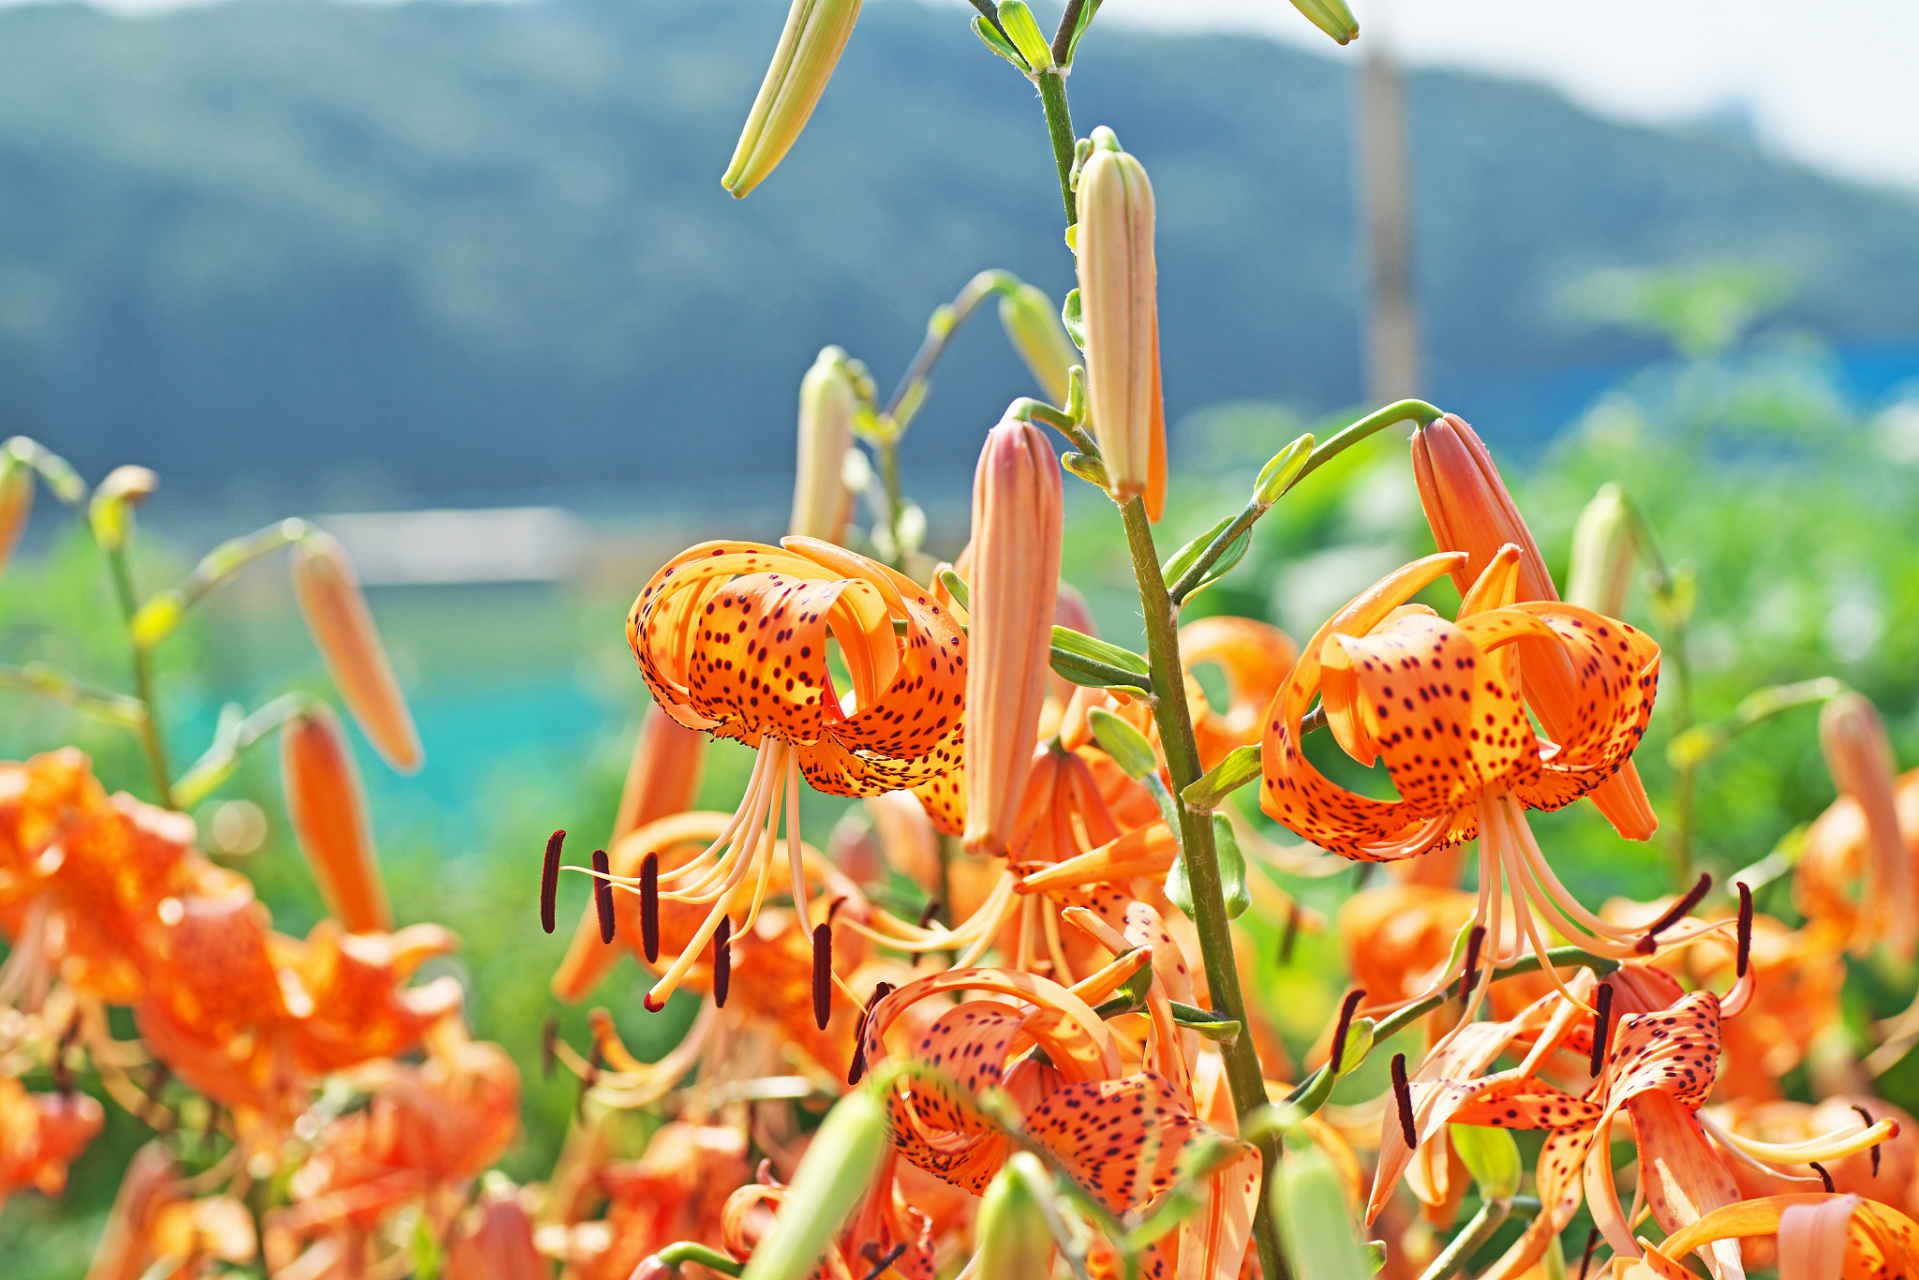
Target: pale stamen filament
[[727, 833], [1522, 873], [761, 855], [1055, 950], [890, 931], [669, 981], [1543, 871], [762, 792], [795, 851]]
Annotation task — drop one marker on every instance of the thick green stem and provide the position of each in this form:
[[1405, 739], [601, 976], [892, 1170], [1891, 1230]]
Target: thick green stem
[[1059, 123], [1175, 723], [889, 453], [143, 685], [1491, 1216]]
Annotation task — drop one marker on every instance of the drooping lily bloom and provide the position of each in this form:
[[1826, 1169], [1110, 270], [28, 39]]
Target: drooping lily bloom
[[495, 1241], [676, 1190], [1440, 703], [83, 878], [1470, 510], [248, 1016], [1255, 658], [732, 638], [40, 1135], [1121, 1136], [1399, 937]]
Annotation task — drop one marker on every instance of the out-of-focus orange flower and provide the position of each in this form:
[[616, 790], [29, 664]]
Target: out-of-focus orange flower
[[246, 1015], [1832, 884], [84, 878], [427, 1128], [1018, 512], [1437, 701], [1884, 1174], [1471, 511], [40, 1135], [675, 1191], [156, 1231], [1860, 757], [327, 808], [336, 613], [732, 638], [496, 1242], [1254, 657], [16, 503], [1398, 938], [1800, 973]]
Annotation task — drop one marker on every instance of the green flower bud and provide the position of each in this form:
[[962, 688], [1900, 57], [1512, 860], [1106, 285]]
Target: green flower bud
[[810, 46], [1277, 476], [1605, 547], [829, 1183], [1491, 1156], [111, 512], [1033, 327], [1314, 1221], [822, 502], [1015, 1241], [1332, 17], [1119, 739]]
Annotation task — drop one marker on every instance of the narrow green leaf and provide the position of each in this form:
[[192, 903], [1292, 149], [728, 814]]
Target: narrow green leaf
[[1241, 766], [1120, 740], [1232, 868], [992, 39]]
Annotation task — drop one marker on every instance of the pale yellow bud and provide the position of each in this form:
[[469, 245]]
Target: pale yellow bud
[[1018, 511], [1119, 308], [1859, 755], [342, 627], [1032, 325], [16, 504], [822, 501], [1332, 17], [327, 808], [1605, 550], [111, 511], [810, 46], [1015, 1241]]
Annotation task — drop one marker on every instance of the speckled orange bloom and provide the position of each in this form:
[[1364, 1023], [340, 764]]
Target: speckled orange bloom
[[732, 638]]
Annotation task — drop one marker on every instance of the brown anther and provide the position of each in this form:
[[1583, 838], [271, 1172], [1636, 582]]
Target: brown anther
[[590, 1077], [1820, 1169], [881, 990], [722, 961], [1346, 1011], [1867, 1117], [833, 908], [1745, 927], [1650, 943], [650, 907], [927, 912], [550, 880], [1468, 976], [822, 974], [1602, 1026], [880, 1264], [1288, 938], [549, 1036], [1403, 1094], [603, 894]]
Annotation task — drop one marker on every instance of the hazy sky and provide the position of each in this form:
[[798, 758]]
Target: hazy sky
[[1829, 82]]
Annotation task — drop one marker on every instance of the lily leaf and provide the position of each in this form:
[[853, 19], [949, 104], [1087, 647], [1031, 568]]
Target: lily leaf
[[1232, 868]]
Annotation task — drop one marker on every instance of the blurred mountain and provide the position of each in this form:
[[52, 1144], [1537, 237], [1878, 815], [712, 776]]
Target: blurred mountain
[[483, 248]]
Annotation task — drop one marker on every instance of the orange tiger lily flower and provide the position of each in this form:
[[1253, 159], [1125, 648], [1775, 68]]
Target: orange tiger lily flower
[[732, 638], [1121, 1137], [1255, 658], [1884, 1174], [1820, 1237], [1859, 755], [676, 1190], [83, 878], [1842, 848], [1439, 702], [1470, 510], [40, 1135], [496, 1242], [247, 1016]]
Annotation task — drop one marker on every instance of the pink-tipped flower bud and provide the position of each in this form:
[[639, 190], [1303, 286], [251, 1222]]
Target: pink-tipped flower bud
[[1859, 755], [1470, 510], [1119, 309], [822, 501], [327, 808], [342, 627], [1017, 516]]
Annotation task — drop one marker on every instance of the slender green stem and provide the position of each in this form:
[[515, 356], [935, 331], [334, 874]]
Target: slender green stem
[[1491, 1216], [53, 469], [97, 704], [1403, 411], [227, 559], [234, 739], [1202, 864], [1059, 123], [689, 1251], [907, 396], [890, 479], [143, 683]]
